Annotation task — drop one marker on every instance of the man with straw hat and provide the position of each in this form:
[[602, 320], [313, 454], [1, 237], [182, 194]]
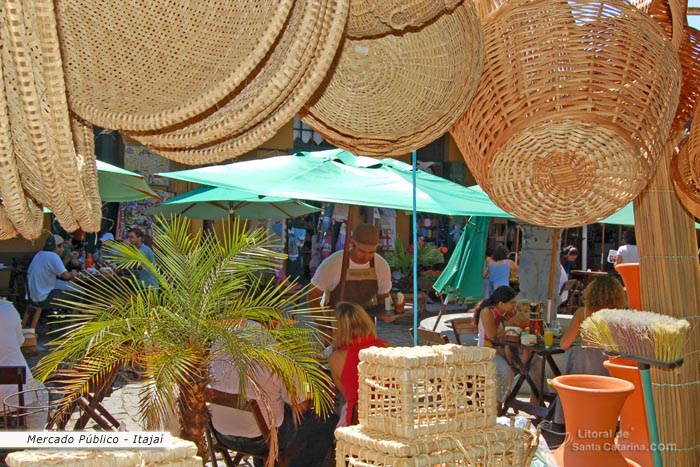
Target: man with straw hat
[[366, 280]]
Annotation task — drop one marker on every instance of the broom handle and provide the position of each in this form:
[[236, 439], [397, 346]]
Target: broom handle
[[651, 413]]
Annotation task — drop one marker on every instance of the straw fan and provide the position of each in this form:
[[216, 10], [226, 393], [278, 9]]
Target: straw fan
[[395, 93], [378, 17], [571, 113], [273, 93]]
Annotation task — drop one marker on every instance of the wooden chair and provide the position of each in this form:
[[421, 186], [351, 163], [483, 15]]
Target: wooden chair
[[464, 326], [11, 375], [575, 296], [430, 337], [234, 401]]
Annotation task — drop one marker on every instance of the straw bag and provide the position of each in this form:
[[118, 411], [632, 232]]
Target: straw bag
[[571, 114], [40, 163], [144, 65], [273, 81], [377, 17], [314, 49], [393, 94]]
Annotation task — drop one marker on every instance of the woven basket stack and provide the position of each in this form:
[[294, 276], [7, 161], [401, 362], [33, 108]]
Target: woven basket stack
[[571, 113], [405, 72], [426, 406]]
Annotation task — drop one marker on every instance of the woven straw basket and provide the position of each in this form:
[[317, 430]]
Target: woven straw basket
[[571, 113], [377, 17], [149, 64], [686, 186], [694, 147], [41, 167], [271, 83], [392, 94], [282, 85]]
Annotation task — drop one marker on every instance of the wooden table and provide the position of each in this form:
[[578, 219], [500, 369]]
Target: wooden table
[[586, 276], [544, 409]]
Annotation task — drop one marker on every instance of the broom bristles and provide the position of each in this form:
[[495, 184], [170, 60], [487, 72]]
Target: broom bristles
[[638, 333]]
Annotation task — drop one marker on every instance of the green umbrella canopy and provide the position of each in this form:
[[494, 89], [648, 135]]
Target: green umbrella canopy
[[462, 275], [341, 177], [219, 203], [116, 184], [625, 216]]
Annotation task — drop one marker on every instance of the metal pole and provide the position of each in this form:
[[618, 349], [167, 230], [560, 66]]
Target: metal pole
[[415, 253]]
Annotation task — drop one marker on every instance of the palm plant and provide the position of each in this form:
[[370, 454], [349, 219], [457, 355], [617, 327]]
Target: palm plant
[[208, 287]]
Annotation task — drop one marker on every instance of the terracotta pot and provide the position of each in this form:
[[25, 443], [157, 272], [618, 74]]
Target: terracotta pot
[[591, 406], [630, 276], [634, 430]]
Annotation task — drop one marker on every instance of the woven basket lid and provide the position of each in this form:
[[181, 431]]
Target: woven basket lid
[[322, 50], [687, 187], [568, 123], [268, 86], [149, 64], [377, 17], [403, 91]]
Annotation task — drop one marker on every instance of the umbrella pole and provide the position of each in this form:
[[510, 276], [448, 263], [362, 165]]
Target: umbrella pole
[[550, 289], [602, 246], [416, 300]]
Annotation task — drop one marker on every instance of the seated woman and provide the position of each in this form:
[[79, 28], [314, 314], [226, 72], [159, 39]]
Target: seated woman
[[354, 331], [491, 313], [604, 292]]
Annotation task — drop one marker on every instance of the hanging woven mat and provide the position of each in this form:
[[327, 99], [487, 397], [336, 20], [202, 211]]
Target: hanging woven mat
[[322, 50], [271, 83], [571, 114], [42, 168], [686, 186], [144, 65], [378, 17], [392, 94]]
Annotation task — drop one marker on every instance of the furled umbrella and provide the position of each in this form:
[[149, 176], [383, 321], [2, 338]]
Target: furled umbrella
[[208, 202]]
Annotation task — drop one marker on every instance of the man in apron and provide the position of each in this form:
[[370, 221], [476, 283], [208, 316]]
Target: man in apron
[[367, 277]]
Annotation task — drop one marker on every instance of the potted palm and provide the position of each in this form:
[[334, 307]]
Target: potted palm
[[208, 287], [401, 261]]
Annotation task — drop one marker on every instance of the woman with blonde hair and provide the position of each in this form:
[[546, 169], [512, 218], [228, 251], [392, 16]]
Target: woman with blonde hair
[[354, 331]]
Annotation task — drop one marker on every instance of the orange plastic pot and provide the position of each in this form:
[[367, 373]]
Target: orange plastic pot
[[591, 406], [630, 276], [634, 430]]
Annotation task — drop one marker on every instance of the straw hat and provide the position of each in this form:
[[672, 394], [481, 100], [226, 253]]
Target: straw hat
[[272, 82], [377, 17], [568, 123], [396, 93], [321, 49], [148, 64]]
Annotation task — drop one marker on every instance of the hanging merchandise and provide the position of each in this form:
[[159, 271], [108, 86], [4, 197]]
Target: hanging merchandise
[[315, 253], [340, 242], [292, 248]]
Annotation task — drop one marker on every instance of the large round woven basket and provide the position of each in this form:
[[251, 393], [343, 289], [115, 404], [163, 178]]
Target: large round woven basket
[[148, 64], [377, 17], [395, 93], [685, 184], [319, 54], [271, 83], [571, 113]]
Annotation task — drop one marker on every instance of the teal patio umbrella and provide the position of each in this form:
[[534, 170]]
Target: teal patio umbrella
[[220, 203], [462, 276], [116, 184]]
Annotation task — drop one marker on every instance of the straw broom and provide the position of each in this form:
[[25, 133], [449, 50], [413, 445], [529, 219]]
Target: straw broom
[[647, 337]]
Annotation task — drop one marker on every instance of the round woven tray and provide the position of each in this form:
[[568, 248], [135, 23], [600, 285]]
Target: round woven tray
[[377, 17], [686, 186], [568, 123], [392, 94], [322, 50], [149, 64], [268, 86]]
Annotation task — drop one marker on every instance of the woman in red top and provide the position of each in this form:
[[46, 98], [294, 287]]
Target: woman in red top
[[354, 331]]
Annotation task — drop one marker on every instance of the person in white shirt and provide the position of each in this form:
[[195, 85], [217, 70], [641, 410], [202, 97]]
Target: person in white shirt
[[628, 252], [45, 270]]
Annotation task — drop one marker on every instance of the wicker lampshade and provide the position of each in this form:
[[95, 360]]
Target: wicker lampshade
[[571, 113], [272, 82], [320, 51], [144, 65], [378, 17], [395, 93]]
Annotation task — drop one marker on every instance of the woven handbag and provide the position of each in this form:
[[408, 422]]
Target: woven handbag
[[273, 81], [571, 114], [393, 94], [149, 64], [377, 17]]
